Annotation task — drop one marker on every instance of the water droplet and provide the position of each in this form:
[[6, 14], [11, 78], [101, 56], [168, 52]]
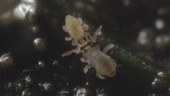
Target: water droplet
[[63, 92], [146, 37], [101, 92], [35, 29], [159, 83], [161, 74], [87, 83], [81, 92], [31, 16], [28, 79], [19, 86], [55, 63], [41, 64], [40, 44], [162, 41], [20, 11], [26, 92], [144, 63], [6, 61], [47, 86], [24, 8], [159, 24]]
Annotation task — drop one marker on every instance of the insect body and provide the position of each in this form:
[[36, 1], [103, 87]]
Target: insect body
[[73, 27], [104, 65], [76, 30]]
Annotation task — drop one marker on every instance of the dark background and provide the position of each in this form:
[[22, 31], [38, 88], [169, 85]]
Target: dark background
[[39, 70]]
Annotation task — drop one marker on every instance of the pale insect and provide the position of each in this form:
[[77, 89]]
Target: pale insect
[[104, 65], [76, 30]]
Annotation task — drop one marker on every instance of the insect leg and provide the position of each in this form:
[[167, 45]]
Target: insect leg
[[87, 67], [68, 38], [76, 50], [100, 76], [97, 32], [65, 29], [74, 42], [108, 47]]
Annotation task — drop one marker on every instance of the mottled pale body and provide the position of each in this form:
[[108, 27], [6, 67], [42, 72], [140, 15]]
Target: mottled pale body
[[105, 66], [73, 27]]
